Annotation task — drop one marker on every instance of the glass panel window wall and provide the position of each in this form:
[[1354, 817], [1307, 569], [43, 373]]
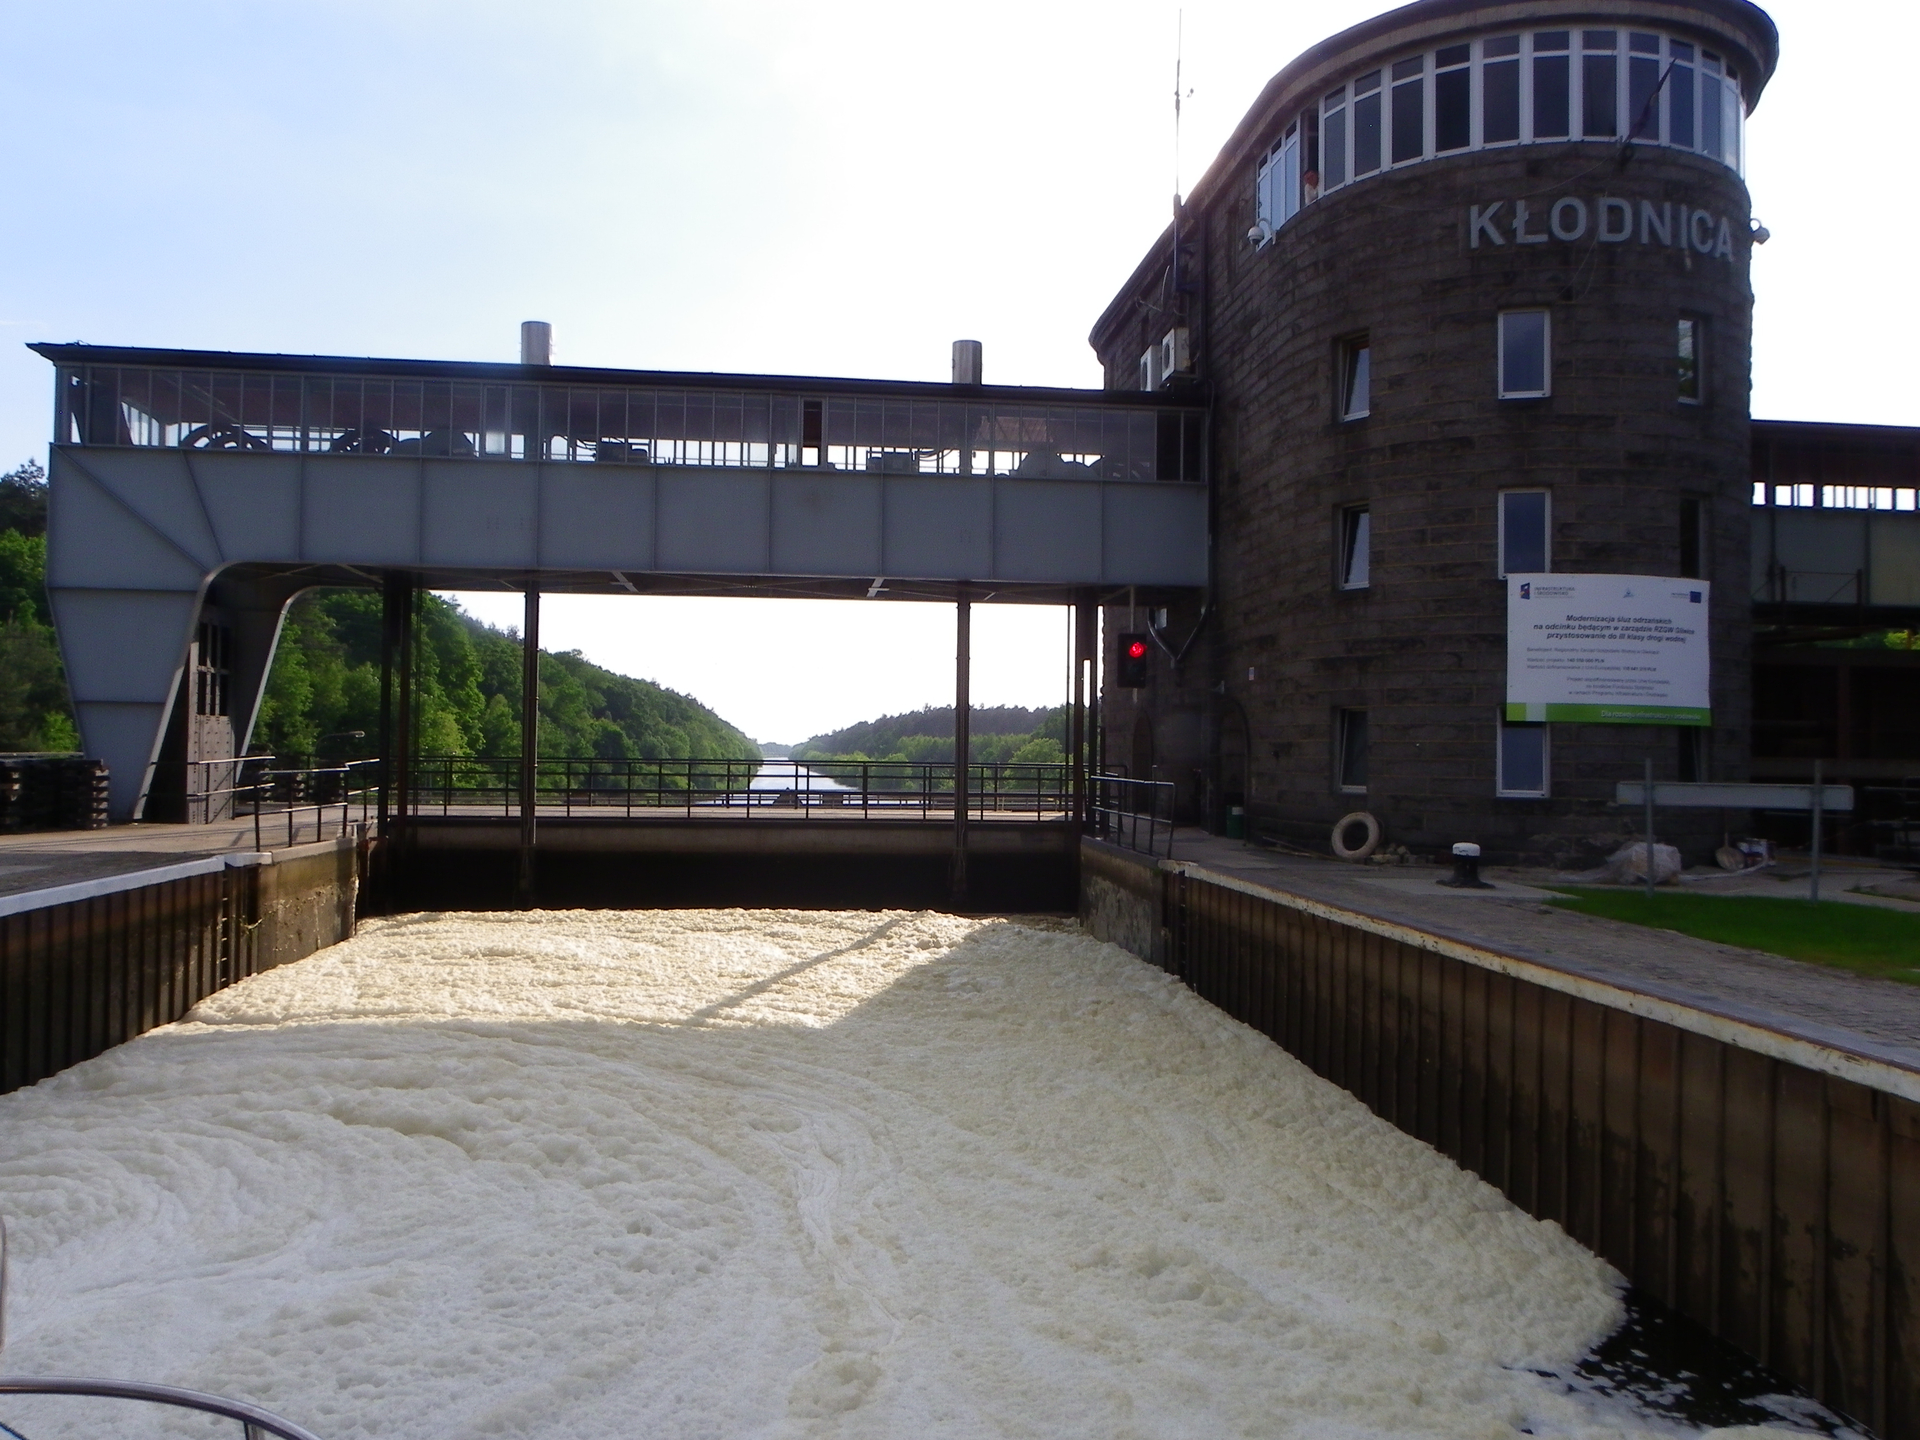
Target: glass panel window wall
[[448, 418]]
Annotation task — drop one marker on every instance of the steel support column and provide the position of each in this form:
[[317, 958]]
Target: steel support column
[[529, 741], [1085, 618], [399, 599], [962, 736]]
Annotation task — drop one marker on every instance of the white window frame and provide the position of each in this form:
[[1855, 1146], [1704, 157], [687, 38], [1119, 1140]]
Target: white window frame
[[1500, 786], [1150, 368], [1699, 337], [1354, 536], [1546, 548], [1546, 356], [1277, 192], [1347, 353], [1341, 735]]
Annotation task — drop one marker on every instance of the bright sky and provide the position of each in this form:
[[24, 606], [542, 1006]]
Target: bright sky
[[822, 189]]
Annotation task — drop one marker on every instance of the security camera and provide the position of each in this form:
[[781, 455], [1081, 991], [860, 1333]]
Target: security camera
[[1259, 235], [1761, 234]]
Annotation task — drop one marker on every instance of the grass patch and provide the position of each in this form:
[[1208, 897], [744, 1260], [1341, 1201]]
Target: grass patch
[[1862, 938]]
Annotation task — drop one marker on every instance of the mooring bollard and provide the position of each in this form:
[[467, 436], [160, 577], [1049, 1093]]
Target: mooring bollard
[[1466, 869]]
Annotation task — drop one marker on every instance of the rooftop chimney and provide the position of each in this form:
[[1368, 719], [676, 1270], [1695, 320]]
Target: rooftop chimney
[[966, 362], [536, 342]]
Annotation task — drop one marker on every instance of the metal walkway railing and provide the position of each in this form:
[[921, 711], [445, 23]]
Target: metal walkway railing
[[255, 1423], [722, 788]]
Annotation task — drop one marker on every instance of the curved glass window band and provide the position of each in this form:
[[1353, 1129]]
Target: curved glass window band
[[1533, 88]]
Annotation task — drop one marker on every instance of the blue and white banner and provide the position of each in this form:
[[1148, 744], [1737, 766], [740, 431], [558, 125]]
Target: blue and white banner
[[1608, 649]]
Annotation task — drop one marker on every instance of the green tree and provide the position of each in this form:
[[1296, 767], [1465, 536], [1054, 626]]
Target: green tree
[[34, 714], [23, 578], [23, 499], [34, 710], [326, 681]]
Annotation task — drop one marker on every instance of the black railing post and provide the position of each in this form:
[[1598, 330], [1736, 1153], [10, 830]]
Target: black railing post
[[1085, 618]]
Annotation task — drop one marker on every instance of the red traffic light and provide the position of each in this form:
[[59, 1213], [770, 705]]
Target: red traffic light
[[1135, 661], [1137, 650]]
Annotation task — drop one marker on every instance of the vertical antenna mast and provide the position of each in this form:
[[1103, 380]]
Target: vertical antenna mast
[[1179, 46]]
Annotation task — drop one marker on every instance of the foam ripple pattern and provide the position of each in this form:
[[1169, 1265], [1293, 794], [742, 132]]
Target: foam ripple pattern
[[766, 1173]]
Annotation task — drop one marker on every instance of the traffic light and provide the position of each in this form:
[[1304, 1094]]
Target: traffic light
[[1135, 661]]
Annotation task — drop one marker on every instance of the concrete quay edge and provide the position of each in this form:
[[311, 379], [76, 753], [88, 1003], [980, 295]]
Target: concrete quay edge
[[1813, 1046], [23, 901]]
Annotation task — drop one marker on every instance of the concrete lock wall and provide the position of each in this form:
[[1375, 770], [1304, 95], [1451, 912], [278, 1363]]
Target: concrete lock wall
[[1766, 1186], [92, 970]]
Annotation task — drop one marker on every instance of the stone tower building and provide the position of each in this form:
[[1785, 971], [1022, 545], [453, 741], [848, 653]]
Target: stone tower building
[[1468, 289]]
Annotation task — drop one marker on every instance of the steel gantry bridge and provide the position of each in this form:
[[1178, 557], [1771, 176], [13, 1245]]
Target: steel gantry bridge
[[194, 494]]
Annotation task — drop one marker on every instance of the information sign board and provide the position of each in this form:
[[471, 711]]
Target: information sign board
[[1608, 649]]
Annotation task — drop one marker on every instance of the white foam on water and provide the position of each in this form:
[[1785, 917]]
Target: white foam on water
[[766, 1173]]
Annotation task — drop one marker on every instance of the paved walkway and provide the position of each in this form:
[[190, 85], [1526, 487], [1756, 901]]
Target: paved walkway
[[1513, 919], [45, 858]]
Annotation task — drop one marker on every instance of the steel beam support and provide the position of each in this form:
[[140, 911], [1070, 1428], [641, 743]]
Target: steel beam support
[[529, 741], [962, 736], [399, 604], [1086, 618]]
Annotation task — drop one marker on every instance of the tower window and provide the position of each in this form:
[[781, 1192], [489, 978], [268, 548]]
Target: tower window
[[1500, 90], [1522, 759], [1693, 752], [1355, 370], [1525, 521], [1599, 84], [1409, 109], [1525, 354], [1356, 544], [1693, 542], [1552, 86], [1692, 372], [1350, 760], [1452, 99], [1277, 193], [1366, 124]]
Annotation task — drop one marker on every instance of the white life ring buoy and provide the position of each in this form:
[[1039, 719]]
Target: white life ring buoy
[[1367, 846]]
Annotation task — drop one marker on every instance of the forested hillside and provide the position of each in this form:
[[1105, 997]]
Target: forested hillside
[[326, 683], [34, 714], [995, 733]]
